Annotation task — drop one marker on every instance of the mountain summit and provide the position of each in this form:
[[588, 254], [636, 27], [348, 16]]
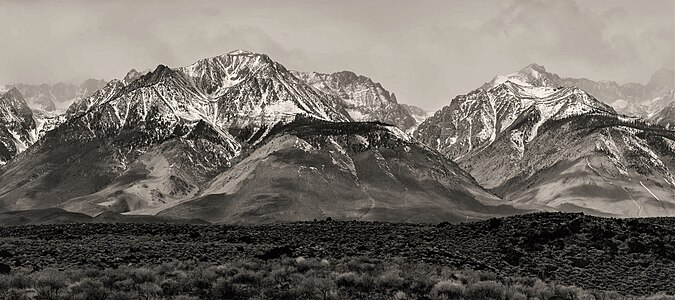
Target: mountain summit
[[652, 101], [531, 75], [531, 140], [17, 126], [237, 138], [362, 98]]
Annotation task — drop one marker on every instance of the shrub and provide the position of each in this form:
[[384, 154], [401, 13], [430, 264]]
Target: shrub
[[170, 287], [362, 264], [124, 285], [280, 279], [568, 293], [400, 295], [225, 289], [49, 283], [449, 289], [16, 294], [305, 265], [185, 297], [513, 293], [142, 275], [246, 277], [365, 283], [661, 296], [149, 290], [349, 279], [123, 295], [20, 281], [486, 290], [315, 287], [390, 280], [87, 289]]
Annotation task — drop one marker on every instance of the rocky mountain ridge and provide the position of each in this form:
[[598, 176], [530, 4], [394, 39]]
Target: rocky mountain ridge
[[532, 139], [173, 139], [362, 98], [17, 126]]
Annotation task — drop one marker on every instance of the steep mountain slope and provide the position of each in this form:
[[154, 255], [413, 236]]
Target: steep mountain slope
[[598, 163], [159, 139], [665, 115], [57, 97], [556, 146], [363, 99], [634, 99], [240, 89], [416, 112], [531, 75], [136, 149], [17, 127], [235, 138], [365, 171], [472, 122], [249, 89]]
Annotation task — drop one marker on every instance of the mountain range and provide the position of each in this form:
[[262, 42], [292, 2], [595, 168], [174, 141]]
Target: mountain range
[[226, 130], [17, 126], [57, 97], [363, 99], [531, 138], [239, 138], [649, 101]]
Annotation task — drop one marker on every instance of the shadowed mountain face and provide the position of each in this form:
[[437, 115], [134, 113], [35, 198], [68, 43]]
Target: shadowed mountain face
[[212, 140], [556, 146], [362, 98], [238, 138], [363, 171], [472, 122], [664, 114], [17, 127], [416, 112], [59, 216]]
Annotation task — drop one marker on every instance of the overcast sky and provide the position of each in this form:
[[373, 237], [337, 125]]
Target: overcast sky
[[425, 51]]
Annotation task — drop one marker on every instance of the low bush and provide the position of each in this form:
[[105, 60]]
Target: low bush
[[285, 278], [448, 289]]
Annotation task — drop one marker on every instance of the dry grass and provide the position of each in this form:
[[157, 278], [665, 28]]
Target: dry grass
[[286, 278]]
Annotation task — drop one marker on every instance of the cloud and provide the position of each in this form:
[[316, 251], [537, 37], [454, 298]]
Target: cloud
[[565, 36], [425, 51]]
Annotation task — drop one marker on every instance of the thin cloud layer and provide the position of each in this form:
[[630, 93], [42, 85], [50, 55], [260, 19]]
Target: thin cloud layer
[[426, 52]]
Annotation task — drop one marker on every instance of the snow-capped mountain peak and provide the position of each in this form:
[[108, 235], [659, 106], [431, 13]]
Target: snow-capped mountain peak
[[235, 90], [132, 75], [17, 126], [531, 75], [363, 99], [473, 121], [5, 88], [242, 52]]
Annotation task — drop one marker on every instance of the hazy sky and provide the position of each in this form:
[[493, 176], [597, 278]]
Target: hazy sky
[[425, 51]]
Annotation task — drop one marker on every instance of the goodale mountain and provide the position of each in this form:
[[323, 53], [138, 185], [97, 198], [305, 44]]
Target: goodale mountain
[[17, 126], [532, 139], [356, 171], [362, 98], [147, 143]]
